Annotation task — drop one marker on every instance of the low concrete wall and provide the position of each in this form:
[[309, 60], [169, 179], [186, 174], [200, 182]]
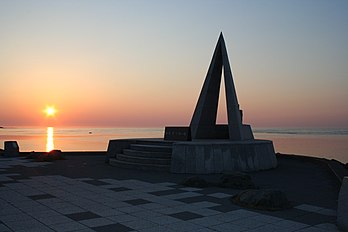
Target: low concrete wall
[[209, 156], [342, 208]]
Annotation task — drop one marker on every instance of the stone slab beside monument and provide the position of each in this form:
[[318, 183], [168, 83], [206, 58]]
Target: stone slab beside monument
[[342, 208], [11, 149], [204, 146]]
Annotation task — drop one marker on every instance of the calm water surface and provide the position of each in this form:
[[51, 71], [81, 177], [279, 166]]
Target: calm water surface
[[327, 143]]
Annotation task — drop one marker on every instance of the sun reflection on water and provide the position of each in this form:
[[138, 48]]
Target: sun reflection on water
[[49, 143]]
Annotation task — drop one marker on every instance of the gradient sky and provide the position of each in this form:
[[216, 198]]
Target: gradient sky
[[143, 63]]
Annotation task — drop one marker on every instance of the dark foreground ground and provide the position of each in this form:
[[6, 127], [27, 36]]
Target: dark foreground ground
[[82, 193]]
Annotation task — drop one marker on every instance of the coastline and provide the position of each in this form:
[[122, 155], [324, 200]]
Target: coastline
[[327, 143]]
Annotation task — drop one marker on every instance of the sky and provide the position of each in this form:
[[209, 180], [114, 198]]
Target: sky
[[142, 63]]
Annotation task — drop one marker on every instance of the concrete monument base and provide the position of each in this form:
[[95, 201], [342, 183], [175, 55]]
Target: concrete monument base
[[219, 156]]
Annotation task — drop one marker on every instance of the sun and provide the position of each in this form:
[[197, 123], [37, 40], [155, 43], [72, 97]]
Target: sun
[[50, 111]]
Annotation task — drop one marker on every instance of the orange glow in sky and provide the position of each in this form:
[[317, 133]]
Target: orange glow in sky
[[143, 63]]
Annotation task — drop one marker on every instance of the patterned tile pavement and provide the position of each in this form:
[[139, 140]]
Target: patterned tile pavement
[[61, 203]]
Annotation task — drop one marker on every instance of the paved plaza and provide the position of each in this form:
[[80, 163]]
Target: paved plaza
[[83, 193]]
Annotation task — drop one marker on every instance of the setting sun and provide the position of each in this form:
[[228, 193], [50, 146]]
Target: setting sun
[[50, 111]]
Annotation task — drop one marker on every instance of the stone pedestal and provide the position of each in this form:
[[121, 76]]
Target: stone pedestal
[[220, 156], [342, 208], [11, 149]]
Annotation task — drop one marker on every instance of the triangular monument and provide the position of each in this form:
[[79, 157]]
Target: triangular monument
[[203, 123], [203, 147]]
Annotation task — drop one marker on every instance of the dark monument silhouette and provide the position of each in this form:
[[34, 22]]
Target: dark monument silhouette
[[204, 146], [203, 123]]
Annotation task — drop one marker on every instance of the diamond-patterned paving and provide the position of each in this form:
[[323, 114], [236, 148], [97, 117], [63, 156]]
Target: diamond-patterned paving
[[54, 202]]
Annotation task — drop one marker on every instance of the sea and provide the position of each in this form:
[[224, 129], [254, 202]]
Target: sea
[[324, 143]]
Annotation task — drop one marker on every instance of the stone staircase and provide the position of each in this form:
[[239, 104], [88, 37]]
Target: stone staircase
[[144, 154]]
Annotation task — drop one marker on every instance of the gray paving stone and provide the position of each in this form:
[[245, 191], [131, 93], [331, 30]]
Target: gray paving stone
[[205, 212], [152, 206], [158, 228], [9, 210], [167, 202], [113, 227], [70, 209], [138, 202], [186, 215], [95, 222], [204, 230], [139, 224], [70, 226], [131, 209], [59, 219], [23, 224], [109, 212], [85, 230], [30, 192], [37, 229], [95, 207], [183, 195], [225, 217], [206, 221], [270, 228], [183, 226], [243, 213], [44, 213], [290, 224], [266, 218], [146, 214], [163, 220], [28, 204], [204, 204], [169, 210], [227, 227], [248, 223], [186, 207], [82, 216], [15, 217], [122, 218]]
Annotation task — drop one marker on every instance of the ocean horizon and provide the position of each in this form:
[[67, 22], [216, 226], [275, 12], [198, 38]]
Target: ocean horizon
[[330, 143]]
